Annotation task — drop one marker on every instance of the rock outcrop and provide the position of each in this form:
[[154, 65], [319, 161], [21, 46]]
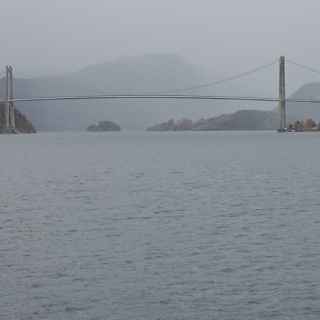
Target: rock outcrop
[[23, 125]]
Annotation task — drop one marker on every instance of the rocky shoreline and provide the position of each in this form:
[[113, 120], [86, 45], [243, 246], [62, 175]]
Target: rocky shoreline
[[23, 125]]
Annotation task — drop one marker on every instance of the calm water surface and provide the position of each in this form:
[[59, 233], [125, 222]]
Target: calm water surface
[[160, 226]]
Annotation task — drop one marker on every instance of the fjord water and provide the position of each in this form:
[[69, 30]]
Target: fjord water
[[198, 225]]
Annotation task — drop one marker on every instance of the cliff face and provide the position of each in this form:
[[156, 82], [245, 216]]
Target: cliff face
[[23, 125]]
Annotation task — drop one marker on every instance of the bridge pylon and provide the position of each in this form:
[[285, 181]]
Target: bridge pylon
[[9, 109], [11, 106], [7, 105], [282, 94]]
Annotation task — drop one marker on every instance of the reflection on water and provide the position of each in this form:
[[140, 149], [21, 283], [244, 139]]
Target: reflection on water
[[160, 226]]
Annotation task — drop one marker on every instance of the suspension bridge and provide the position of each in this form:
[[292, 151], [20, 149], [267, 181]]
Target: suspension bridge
[[9, 101]]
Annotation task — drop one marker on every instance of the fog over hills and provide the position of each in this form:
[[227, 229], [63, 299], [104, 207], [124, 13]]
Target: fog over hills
[[302, 111], [152, 73], [143, 74]]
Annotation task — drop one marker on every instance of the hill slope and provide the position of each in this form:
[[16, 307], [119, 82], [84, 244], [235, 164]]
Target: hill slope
[[239, 120], [297, 111]]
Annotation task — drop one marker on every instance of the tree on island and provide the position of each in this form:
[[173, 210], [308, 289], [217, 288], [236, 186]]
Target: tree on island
[[309, 124]]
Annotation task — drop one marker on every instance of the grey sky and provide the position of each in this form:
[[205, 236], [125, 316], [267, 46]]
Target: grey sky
[[43, 36]]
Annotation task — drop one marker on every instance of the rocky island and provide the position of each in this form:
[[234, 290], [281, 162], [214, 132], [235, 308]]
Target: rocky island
[[23, 125], [103, 126], [240, 120]]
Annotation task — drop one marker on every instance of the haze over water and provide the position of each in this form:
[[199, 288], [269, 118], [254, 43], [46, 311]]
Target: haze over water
[[198, 225]]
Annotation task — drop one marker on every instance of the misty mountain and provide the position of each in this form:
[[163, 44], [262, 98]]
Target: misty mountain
[[301, 111], [147, 73]]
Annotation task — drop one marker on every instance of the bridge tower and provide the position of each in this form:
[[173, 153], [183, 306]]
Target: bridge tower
[[9, 110], [7, 105], [282, 94], [11, 105]]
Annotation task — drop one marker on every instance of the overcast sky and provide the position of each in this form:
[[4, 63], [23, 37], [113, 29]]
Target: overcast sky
[[46, 36]]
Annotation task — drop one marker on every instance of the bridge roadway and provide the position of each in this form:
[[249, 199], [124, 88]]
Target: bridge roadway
[[157, 96]]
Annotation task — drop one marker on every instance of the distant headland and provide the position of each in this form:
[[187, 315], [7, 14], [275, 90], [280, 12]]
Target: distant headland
[[240, 120]]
